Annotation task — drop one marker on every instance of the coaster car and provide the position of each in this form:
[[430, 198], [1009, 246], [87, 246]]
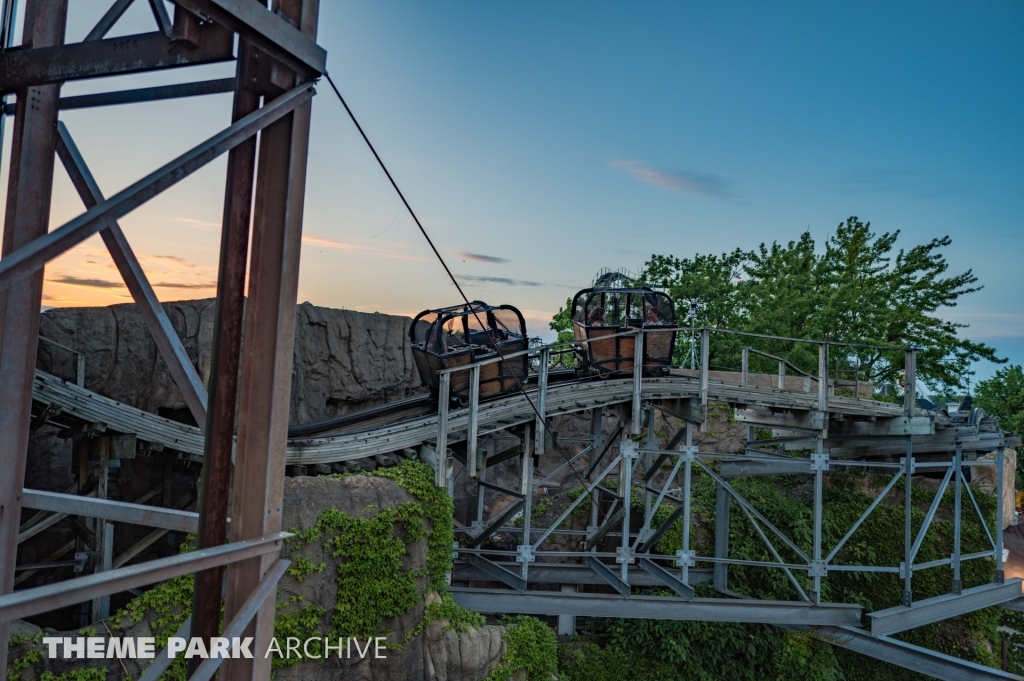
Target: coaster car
[[463, 334], [605, 311]]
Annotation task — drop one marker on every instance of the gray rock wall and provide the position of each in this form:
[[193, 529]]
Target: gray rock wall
[[344, 360], [435, 654]]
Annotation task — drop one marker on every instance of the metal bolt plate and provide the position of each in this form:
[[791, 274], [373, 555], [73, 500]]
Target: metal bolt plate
[[686, 558]]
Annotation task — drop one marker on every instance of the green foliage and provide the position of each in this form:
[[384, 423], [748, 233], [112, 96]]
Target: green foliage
[[531, 646], [561, 323], [373, 586], [458, 618], [1003, 396], [541, 507], [860, 290], [95, 674], [29, 657], [582, 509], [704, 650], [586, 661], [805, 657]]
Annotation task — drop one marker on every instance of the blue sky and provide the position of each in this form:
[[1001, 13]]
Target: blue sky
[[559, 138]]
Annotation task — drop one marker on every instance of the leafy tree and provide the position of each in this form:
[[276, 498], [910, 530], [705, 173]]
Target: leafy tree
[[561, 323], [1003, 396], [861, 290]]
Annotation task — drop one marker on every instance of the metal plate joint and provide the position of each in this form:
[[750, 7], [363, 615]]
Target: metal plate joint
[[819, 462], [524, 554], [817, 568], [625, 554], [687, 558]]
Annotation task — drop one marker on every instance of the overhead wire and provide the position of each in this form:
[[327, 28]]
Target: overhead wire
[[440, 258]]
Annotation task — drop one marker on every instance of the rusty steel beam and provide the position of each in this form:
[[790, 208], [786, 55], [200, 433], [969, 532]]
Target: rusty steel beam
[[109, 57], [143, 94], [31, 257], [215, 484], [30, 188], [167, 342], [265, 390], [266, 30], [265, 591]]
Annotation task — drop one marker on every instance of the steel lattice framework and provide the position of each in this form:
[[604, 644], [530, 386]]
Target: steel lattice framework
[[629, 456], [277, 65]]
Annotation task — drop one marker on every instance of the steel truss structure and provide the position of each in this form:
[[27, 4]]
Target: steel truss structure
[[617, 465], [278, 63]]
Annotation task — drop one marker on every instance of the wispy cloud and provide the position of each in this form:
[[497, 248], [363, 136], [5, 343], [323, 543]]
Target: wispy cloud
[[477, 257], [103, 283], [186, 285], [987, 324], [506, 281], [89, 283], [688, 182], [906, 183], [324, 242], [174, 259]]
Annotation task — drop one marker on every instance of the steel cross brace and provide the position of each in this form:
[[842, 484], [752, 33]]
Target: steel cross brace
[[178, 363], [33, 256]]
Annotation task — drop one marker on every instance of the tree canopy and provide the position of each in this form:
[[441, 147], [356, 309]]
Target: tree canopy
[[1003, 396], [860, 290]]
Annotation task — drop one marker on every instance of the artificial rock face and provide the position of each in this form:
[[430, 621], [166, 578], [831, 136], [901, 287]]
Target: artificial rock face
[[435, 653], [344, 360]]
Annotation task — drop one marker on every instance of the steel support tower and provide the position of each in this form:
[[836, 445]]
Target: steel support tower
[[278, 63]]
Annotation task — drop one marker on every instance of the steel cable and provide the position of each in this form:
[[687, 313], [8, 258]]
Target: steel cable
[[430, 242]]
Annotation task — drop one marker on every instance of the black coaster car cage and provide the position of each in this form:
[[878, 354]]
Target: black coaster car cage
[[605, 311], [463, 334]]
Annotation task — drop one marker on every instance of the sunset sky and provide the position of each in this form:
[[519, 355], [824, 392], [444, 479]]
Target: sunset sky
[[540, 142]]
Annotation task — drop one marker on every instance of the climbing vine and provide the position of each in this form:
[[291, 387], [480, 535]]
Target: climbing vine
[[374, 587], [530, 647], [705, 650]]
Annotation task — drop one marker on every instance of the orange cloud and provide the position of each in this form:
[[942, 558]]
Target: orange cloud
[[346, 246]]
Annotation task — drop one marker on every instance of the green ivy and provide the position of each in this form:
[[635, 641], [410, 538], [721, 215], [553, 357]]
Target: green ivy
[[28, 658], [95, 674], [530, 646], [704, 650], [373, 585]]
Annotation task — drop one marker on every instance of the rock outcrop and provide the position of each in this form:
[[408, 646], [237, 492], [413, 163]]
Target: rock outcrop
[[439, 653], [435, 652], [344, 360]]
